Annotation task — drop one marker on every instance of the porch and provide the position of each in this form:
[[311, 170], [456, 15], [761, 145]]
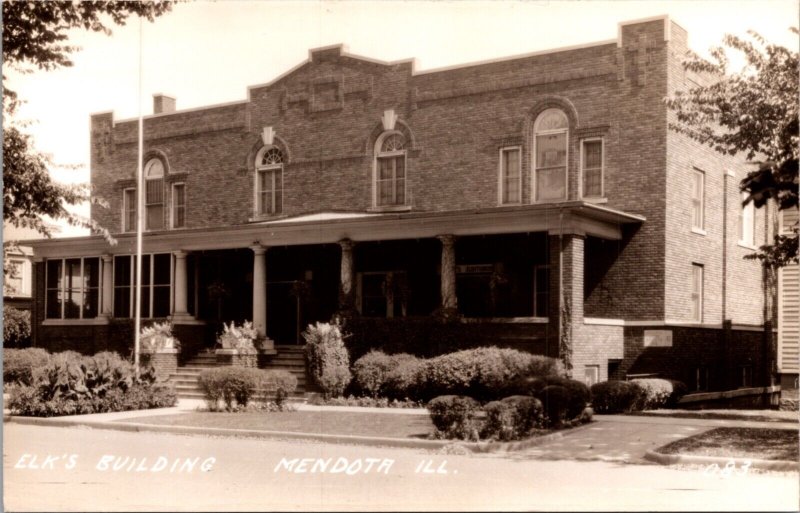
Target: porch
[[502, 276]]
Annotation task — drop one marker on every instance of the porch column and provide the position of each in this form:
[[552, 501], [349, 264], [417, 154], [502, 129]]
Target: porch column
[[108, 286], [260, 289], [346, 290], [449, 300], [180, 311], [566, 300]]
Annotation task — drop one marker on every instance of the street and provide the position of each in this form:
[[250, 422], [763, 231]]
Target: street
[[83, 469]]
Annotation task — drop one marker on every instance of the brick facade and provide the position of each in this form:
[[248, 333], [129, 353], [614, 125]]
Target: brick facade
[[625, 259]]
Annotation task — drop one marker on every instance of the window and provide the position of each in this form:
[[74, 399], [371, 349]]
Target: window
[[390, 170], [15, 283], [592, 168], [154, 194], [72, 288], [591, 374], [269, 181], [697, 292], [541, 291], [747, 222], [156, 290], [129, 210], [698, 199], [383, 294], [178, 215], [510, 176], [550, 161]]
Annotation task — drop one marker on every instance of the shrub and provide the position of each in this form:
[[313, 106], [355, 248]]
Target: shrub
[[557, 401], [27, 400], [234, 385], [16, 327], [615, 396], [407, 379], [512, 418], [453, 416], [279, 382], [327, 358], [578, 394], [657, 393], [18, 364], [371, 372], [482, 372]]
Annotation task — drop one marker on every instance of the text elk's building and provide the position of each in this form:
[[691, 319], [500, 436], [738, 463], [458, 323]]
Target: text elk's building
[[542, 198]]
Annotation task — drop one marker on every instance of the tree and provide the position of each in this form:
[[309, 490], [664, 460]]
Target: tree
[[34, 37], [755, 112]]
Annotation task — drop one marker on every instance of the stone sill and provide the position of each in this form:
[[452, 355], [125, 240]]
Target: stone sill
[[699, 231], [746, 246], [397, 208], [98, 321], [505, 320]]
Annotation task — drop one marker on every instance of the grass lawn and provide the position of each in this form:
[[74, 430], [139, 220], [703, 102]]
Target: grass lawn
[[337, 423], [756, 443]]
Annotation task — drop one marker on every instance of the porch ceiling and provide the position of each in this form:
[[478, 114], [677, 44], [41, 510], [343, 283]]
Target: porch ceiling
[[330, 227]]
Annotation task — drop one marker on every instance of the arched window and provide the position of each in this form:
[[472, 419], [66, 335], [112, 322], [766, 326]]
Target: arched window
[[269, 181], [550, 141], [154, 194], [390, 170]]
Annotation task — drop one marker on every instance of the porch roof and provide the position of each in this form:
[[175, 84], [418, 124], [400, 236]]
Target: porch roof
[[578, 217]]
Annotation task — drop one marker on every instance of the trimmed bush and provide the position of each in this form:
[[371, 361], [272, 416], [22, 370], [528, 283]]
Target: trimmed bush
[[16, 327], [234, 385], [18, 364], [512, 418], [277, 382], [407, 379], [327, 358], [659, 393], [453, 416], [615, 396], [578, 394], [483, 372], [371, 372]]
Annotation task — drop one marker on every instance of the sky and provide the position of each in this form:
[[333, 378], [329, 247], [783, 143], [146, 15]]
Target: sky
[[204, 53]]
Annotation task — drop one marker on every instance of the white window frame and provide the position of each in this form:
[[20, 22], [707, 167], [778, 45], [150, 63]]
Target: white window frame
[[594, 378], [132, 291], [378, 154], [62, 287], [273, 170], [698, 204], [697, 296], [501, 172], [173, 207], [534, 169], [156, 178], [126, 210], [22, 267], [747, 220], [602, 167]]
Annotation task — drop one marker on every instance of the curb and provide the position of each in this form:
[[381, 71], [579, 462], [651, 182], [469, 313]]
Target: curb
[[371, 441], [672, 459]]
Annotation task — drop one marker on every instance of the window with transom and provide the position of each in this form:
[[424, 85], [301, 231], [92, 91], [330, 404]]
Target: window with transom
[[269, 181], [550, 141], [390, 170], [154, 194]]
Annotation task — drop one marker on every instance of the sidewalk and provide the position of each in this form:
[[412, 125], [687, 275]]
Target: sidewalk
[[619, 438]]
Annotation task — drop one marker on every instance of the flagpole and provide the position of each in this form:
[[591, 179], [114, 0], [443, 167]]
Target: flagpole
[[139, 211]]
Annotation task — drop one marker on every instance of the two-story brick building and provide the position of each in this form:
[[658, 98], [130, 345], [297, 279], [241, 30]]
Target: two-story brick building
[[541, 198]]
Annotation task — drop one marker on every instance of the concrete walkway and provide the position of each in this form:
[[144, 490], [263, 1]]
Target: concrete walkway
[[626, 439]]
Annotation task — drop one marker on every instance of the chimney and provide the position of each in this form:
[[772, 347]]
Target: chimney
[[163, 104]]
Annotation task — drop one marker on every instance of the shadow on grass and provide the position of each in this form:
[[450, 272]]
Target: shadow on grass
[[755, 443]]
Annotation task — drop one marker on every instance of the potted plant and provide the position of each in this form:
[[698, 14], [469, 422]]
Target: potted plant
[[159, 338], [160, 348], [236, 345]]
